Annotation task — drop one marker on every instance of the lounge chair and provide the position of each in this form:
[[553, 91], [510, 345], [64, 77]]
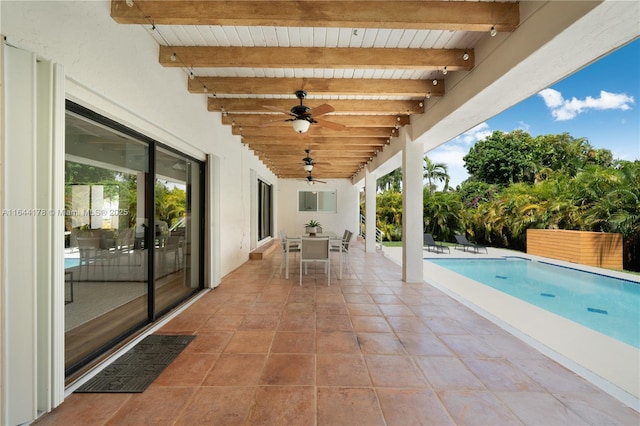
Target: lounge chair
[[462, 241], [430, 243]]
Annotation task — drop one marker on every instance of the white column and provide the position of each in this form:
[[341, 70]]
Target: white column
[[412, 207], [370, 210]]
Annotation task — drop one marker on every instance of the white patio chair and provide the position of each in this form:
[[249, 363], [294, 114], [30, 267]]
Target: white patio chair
[[315, 249]]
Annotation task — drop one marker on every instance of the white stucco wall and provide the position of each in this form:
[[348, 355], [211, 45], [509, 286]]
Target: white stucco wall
[[113, 69], [292, 221]]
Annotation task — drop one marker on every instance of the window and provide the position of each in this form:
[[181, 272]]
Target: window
[[317, 201]]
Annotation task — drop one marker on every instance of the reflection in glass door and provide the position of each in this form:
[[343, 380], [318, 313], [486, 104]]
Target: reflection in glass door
[[133, 234], [177, 228], [106, 289]]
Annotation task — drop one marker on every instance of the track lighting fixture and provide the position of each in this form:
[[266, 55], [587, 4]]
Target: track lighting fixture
[[129, 3], [465, 57], [493, 31], [173, 57], [435, 82], [428, 95], [444, 71], [191, 76]]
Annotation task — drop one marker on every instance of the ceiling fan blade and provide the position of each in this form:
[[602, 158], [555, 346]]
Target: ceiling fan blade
[[329, 124], [276, 109], [321, 110], [319, 181]]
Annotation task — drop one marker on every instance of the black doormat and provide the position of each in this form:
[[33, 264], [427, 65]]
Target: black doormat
[[134, 371]]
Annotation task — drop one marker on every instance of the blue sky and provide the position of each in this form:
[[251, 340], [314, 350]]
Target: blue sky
[[600, 103]]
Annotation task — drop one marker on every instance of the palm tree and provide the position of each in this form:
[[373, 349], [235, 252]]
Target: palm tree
[[435, 172]]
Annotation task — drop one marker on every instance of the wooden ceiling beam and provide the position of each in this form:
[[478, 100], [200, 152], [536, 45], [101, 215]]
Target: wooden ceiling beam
[[316, 86], [347, 106], [300, 143], [316, 131], [293, 150], [425, 15], [254, 120], [314, 57]]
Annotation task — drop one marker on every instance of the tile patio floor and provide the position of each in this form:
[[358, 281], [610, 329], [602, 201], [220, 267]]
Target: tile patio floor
[[369, 350]]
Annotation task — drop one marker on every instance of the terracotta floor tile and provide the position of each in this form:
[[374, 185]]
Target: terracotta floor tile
[[469, 347], [408, 325], [536, 408], [209, 342], [336, 342], [300, 307], [394, 371], [260, 322], [184, 324], [412, 407], [85, 409], [501, 375], [297, 321], [380, 343], [598, 408], [396, 310], [552, 376], [371, 324], [448, 373], [289, 369], [332, 309], [267, 308], [358, 298], [294, 342], [348, 406], [424, 344], [283, 405], [235, 308], [236, 370], [363, 309], [188, 369], [250, 341], [225, 405], [480, 408], [367, 350], [342, 370], [326, 322], [155, 406], [220, 322]]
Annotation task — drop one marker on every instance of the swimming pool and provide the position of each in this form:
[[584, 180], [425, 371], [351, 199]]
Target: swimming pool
[[605, 304], [70, 262]]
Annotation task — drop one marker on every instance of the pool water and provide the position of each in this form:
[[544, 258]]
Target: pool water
[[70, 262], [605, 304]]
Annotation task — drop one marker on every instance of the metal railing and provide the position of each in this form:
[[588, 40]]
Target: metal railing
[[379, 233]]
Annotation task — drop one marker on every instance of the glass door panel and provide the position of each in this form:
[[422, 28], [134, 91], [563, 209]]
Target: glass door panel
[[106, 286], [177, 229]]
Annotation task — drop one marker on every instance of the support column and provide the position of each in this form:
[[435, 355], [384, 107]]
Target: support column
[[412, 208], [370, 210]]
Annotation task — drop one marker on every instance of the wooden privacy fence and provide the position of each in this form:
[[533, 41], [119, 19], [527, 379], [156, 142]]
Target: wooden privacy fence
[[599, 249]]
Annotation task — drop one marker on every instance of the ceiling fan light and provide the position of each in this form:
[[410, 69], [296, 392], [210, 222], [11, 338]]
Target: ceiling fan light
[[308, 167], [300, 125]]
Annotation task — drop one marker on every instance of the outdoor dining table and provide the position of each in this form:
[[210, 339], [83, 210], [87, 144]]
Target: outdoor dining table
[[333, 239]]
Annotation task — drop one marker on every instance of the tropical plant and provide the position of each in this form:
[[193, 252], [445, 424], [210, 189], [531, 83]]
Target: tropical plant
[[435, 172], [312, 224]]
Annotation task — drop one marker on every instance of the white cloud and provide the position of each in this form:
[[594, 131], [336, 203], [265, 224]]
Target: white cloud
[[471, 136], [567, 109]]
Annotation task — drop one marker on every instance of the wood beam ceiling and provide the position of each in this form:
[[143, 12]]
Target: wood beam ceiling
[[314, 57], [317, 86], [371, 120], [425, 15]]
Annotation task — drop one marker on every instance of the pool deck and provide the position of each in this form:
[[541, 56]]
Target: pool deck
[[612, 365]]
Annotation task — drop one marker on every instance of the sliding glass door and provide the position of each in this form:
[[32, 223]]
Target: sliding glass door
[[133, 237]]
